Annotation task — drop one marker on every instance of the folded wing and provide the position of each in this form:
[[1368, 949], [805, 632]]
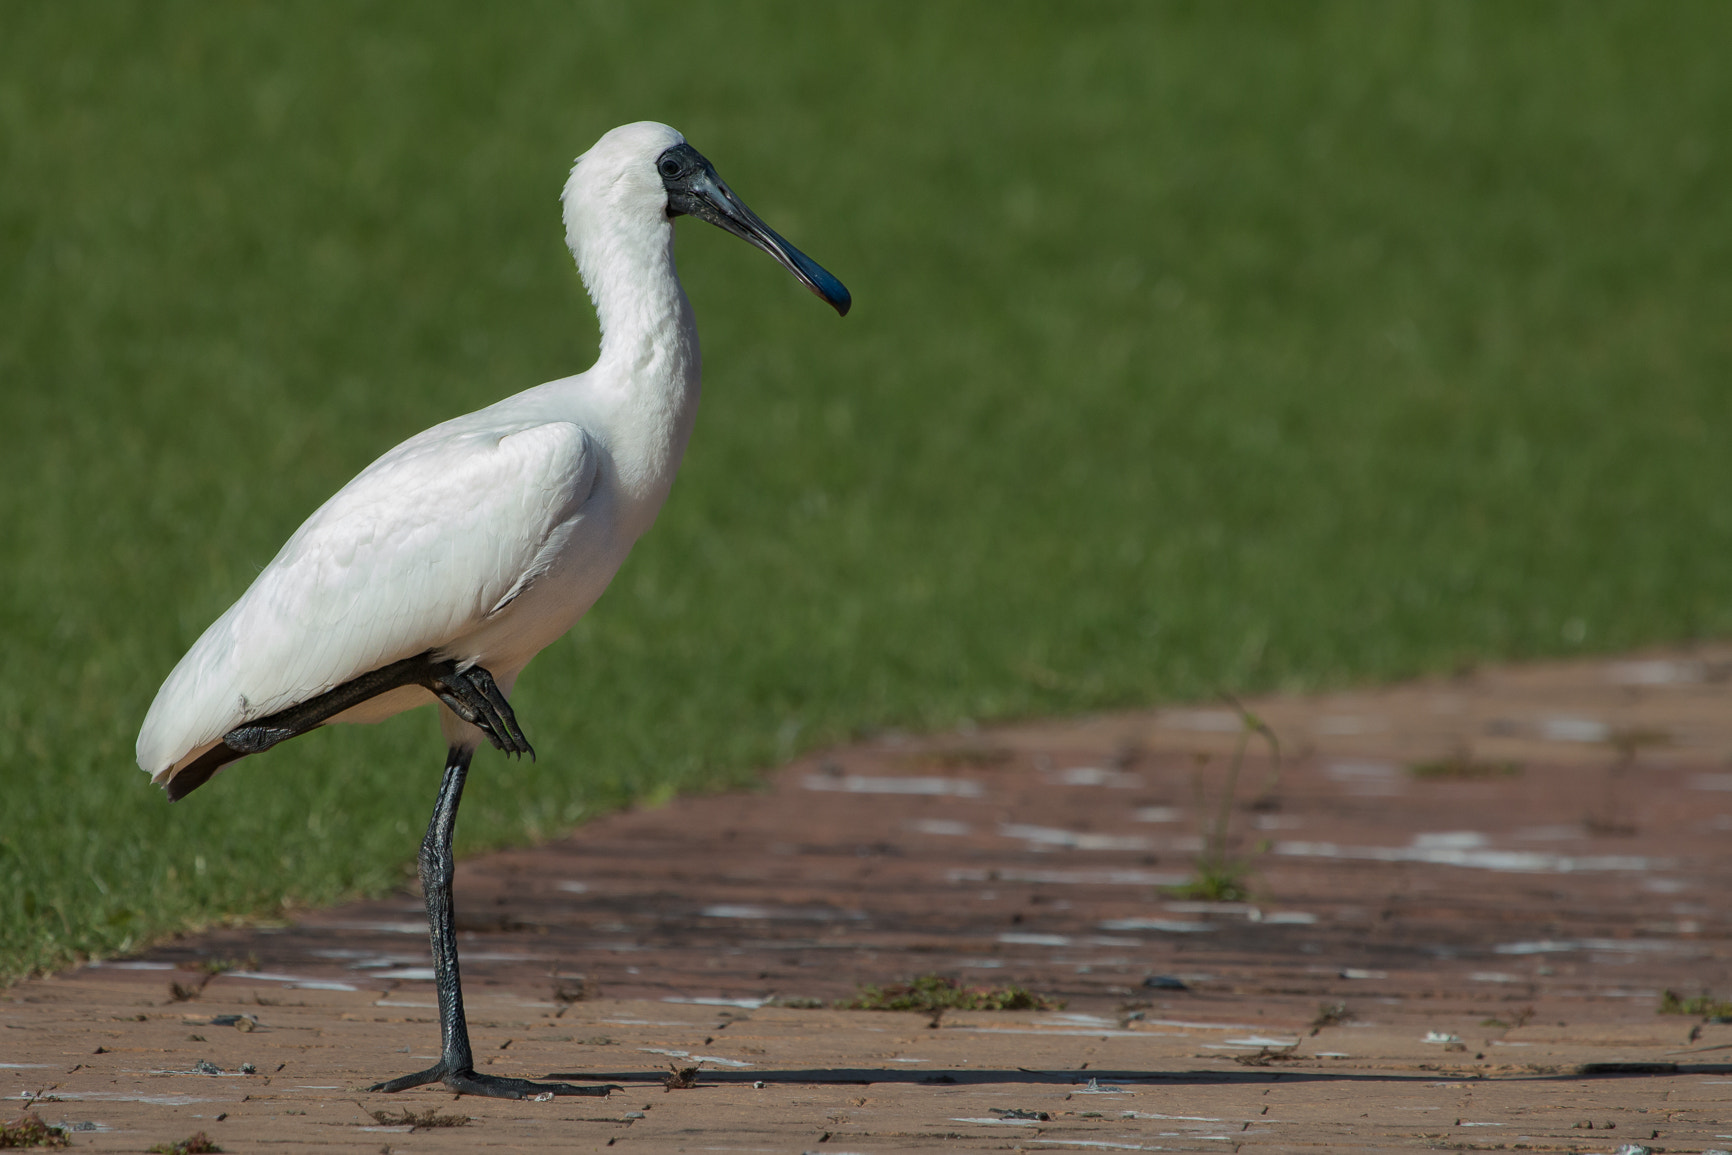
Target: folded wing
[[414, 552]]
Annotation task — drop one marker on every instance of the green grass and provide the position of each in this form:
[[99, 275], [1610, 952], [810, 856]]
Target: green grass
[[1196, 348]]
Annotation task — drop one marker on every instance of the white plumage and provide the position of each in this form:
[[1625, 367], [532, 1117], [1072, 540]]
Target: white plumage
[[450, 562], [484, 538]]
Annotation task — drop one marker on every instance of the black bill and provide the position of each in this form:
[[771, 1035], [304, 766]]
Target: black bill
[[694, 189]]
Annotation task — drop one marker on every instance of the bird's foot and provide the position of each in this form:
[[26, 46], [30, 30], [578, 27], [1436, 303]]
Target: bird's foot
[[474, 696], [470, 1083]]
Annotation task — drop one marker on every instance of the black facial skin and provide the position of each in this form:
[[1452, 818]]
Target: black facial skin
[[694, 189]]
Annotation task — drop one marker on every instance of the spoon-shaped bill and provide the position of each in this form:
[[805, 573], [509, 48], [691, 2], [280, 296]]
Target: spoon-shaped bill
[[694, 189]]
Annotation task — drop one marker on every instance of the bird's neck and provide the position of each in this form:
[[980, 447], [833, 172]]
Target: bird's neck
[[649, 365]]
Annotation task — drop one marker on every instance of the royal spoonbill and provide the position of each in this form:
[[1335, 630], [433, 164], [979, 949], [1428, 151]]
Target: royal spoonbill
[[450, 562]]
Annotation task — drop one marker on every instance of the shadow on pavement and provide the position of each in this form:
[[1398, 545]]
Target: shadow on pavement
[[1104, 1080]]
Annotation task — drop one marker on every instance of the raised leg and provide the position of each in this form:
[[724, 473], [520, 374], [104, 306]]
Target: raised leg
[[471, 694], [456, 1066]]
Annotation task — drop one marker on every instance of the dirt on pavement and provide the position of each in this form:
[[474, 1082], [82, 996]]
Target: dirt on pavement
[[1467, 900]]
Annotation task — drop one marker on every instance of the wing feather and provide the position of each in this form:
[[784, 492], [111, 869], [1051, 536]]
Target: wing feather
[[421, 546]]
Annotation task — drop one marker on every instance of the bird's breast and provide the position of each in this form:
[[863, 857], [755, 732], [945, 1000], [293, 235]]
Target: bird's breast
[[576, 564]]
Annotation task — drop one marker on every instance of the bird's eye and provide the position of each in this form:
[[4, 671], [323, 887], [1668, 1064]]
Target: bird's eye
[[669, 167]]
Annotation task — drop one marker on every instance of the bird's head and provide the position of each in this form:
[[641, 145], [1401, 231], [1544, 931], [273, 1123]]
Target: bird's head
[[645, 174]]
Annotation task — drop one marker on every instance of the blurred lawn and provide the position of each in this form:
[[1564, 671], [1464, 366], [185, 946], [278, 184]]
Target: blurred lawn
[[1195, 347]]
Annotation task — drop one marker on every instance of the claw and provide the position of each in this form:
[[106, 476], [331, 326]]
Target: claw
[[507, 720], [474, 696], [435, 1074]]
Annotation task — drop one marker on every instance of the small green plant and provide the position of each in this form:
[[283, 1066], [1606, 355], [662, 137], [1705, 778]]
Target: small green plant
[[198, 1144], [1219, 877], [1519, 1019], [1215, 881], [934, 994], [573, 989], [419, 1121], [962, 757], [1463, 767], [1330, 1015], [28, 1130], [1269, 1056], [1705, 1005], [1611, 817], [220, 966]]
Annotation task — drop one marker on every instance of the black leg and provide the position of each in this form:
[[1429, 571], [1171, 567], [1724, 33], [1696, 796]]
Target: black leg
[[471, 694], [456, 1066]]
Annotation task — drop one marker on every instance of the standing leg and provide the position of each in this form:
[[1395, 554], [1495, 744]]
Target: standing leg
[[456, 1066]]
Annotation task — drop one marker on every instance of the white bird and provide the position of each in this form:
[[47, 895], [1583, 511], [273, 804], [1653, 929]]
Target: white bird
[[455, 558]]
